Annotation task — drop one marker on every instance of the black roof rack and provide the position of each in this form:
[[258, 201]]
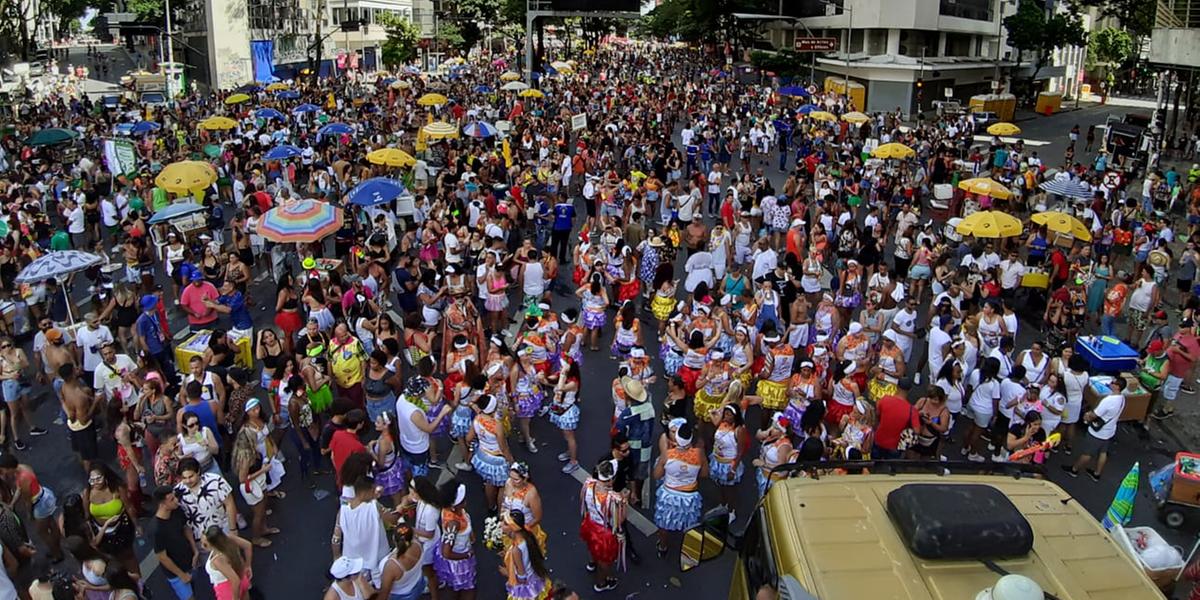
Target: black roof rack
[[899, 467]]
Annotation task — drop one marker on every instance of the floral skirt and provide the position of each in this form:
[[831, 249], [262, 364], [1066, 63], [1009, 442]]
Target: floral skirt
[[594, 319], [391, 478], [457, 575], [528, 404]]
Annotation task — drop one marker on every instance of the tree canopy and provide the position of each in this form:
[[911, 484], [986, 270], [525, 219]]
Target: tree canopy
[[703, 20], [1032, 30], [1136, 16], [403, 38], [1110, 45]]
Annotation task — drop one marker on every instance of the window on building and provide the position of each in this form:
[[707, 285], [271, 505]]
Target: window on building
[[913, 42], [978, 10], [958, 44], [877, 42]]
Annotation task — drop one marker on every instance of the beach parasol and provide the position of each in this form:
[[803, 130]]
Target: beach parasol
[[1003, 129], [57, 264], [301, 221], [440, 130], [510, 76], [483, 89], [793, 91], [287, 95], [1069, 188], [893, 150], [376, 191], [820, 115], [335, 129], [392, 157], [278, 86], [856, 117], [283, 152], [400, 85], [1060, 222], [515, 86], [805, 109], [479, 130], [984, 186], [144, 127], [1121, 509], [52, 136], [237, 98], [306, 108], [186, 176], [211, 150], [531, 93], [432, 100], [269, 113], [218, 123], [989, 224], [174, 210]]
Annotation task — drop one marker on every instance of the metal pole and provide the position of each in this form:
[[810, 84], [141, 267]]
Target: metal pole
[[849, 32], [170, 56], [921, 76]]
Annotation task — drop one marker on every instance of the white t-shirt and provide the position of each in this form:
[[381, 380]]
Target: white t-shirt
[[1010, 273], [412, 439], [938, 339], [983, 395], [109, 379], [75, 220], [91, 341], [1109, 410], [1009, 390]]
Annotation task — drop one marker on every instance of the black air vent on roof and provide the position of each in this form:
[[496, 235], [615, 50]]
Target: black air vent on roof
[[958, 521]]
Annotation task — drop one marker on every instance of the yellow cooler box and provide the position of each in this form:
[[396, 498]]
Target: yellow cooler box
[[1049, 103], [1004, 105], [197, 343], [858, 93]]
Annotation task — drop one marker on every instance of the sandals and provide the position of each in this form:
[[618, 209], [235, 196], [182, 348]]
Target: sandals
[[277, 494], [261, 543], [272, 531]]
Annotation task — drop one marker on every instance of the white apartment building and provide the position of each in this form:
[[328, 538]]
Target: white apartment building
[[956, 45]]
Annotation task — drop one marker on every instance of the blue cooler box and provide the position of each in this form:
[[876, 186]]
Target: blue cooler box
[[1106, 355]]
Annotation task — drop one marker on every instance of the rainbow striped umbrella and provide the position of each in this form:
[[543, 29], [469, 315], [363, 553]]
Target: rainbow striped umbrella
[[305, 220], [1121, 509]]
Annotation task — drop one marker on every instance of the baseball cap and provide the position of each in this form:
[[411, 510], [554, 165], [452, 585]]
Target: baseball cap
[[196, 276], [54, 335], [1155, 347], [345, 566], [149, 301]]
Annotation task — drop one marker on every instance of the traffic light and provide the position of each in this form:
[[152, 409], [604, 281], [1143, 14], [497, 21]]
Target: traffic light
[[1160, 121], [920, 83]]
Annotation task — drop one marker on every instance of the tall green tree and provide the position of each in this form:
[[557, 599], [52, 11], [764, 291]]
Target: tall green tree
[[403, 39], [1136, 16], [146, 10], [1034, 31], [1111, 46], [710, 21]]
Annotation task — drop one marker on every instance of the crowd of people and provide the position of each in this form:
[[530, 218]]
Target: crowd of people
[[751, 285]]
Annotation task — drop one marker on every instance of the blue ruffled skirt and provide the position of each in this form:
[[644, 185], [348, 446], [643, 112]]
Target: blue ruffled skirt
[[675, 510]]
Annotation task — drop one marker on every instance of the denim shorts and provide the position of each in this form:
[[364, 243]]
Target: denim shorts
[[12, 390], [182, 590], [46, 504]]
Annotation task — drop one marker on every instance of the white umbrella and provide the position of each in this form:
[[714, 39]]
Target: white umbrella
[[515, 86], [56, 265]]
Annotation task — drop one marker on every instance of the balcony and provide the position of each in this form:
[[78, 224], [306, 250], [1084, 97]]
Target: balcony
[[976, 10]]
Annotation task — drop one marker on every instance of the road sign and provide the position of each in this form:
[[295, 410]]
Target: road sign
[[1112, 179], [948, 92], [816, 44]]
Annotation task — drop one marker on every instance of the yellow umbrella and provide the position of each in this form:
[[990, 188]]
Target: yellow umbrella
[[990, 224], [532, 93], [278, 86], [820, 115], [856, 117], [1060, 222], [985, 186], [432, 100], [440, 130], [392, 157], [237, 99], [1003, 129], [186, 177], [219, 123], [510, 76], [893, 150]]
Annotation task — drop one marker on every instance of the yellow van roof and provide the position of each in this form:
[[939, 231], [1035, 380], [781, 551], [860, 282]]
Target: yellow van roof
[[846, 547]]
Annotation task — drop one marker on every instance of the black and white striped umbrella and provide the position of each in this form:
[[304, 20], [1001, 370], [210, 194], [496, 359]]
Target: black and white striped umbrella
[[1069, 188], [54, 264]]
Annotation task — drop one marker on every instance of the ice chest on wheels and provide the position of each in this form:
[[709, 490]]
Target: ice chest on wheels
[[1185, 482], [1106, 355]]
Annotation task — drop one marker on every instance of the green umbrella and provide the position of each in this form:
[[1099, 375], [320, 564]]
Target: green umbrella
[[212, 150], [1121, 509], [3, 228], [52, 136]]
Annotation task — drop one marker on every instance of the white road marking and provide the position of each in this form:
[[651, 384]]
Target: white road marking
[[1012, 140]]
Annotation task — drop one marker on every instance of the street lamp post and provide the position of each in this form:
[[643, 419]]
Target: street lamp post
[[170, 55]]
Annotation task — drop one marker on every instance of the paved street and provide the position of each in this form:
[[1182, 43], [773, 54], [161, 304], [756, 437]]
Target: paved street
[[295, 565]]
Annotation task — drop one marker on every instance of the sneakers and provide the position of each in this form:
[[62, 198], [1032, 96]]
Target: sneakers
[[975, 457], [59, 421], [591, 567], [532, 446], [1094, 475], [19, 445], [1070, 470], [1187, 389], [464, 466], [570, 467], [732, 516], [36, 431], [563, 457], [1164, 412], [609, 584]]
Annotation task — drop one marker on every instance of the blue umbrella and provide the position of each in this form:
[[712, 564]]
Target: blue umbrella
[[376, 191], [336, 129], [251, 88], [479, 130], [287, 94], [54, 264], [306, 108], [387, 81], [123, 129], [172, 211], [144, 127], [807, 108], [782, 125], [483, 89], [1069, 188], [283, 152], [794, 91], [269, 113]]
